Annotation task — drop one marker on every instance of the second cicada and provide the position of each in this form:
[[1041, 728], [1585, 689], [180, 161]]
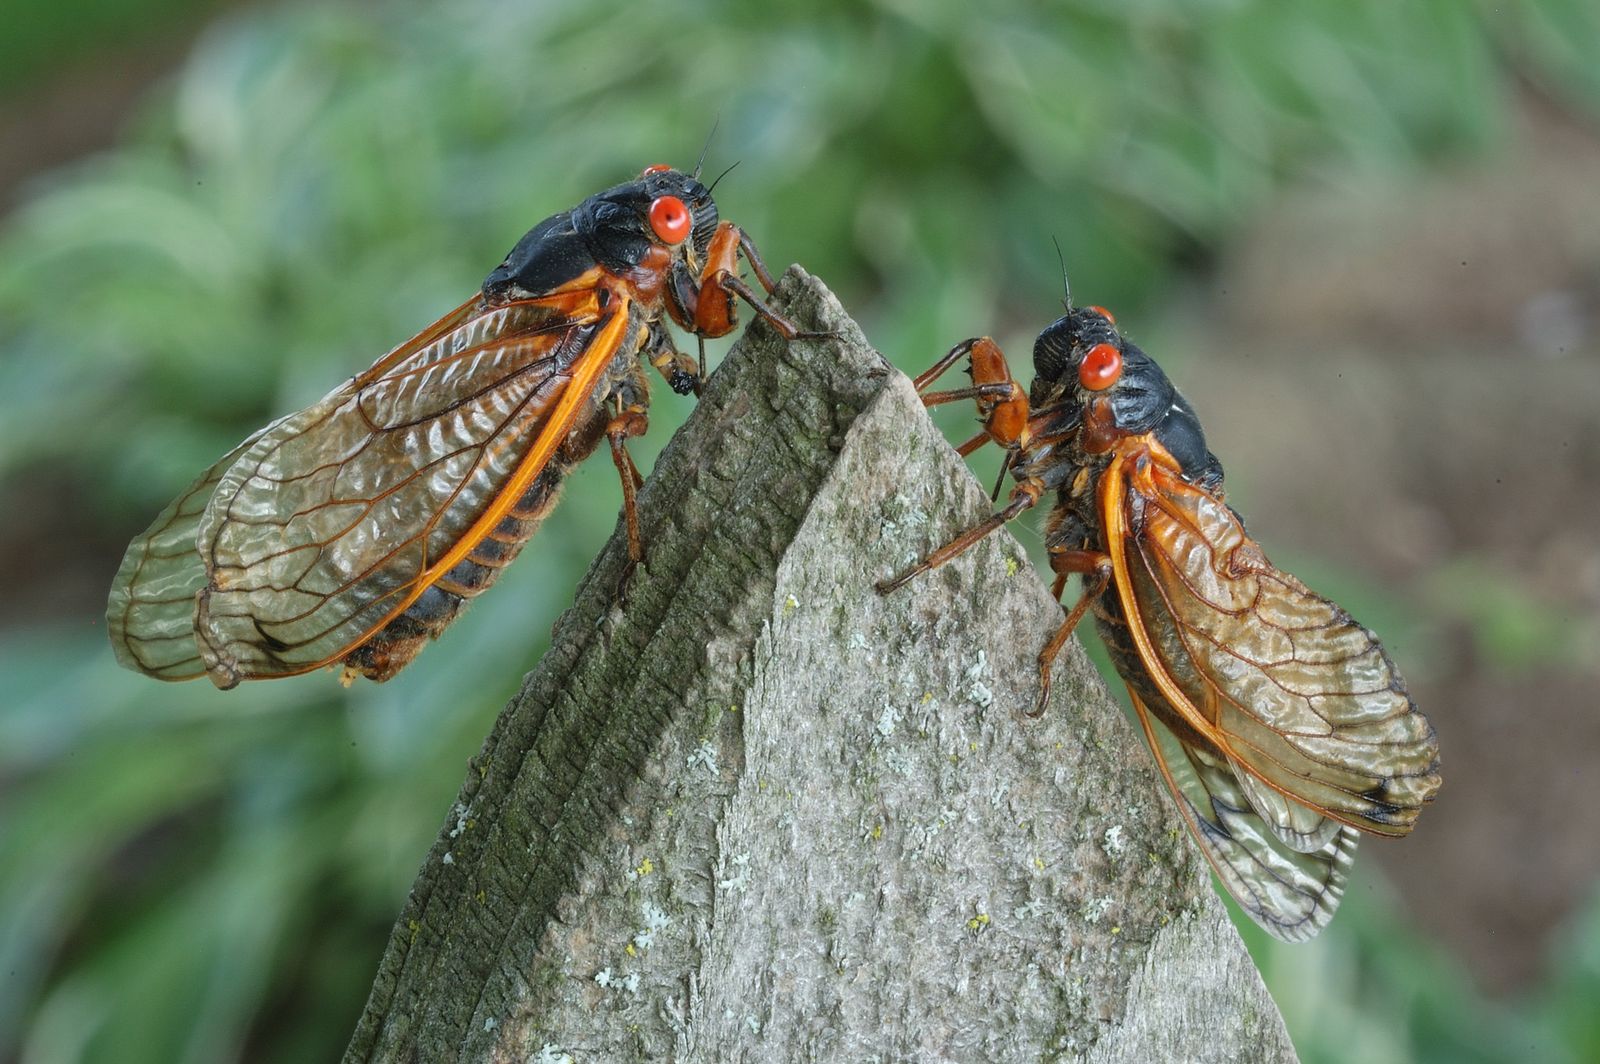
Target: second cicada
[[1280, 724], [352, 532]]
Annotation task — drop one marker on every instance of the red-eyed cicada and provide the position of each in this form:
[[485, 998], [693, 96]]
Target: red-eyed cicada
[[353, 531], [1279, 723]]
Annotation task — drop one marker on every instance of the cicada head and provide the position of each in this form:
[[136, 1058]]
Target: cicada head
[[1082, 360], [663, 208], [616, 230], [1059, 349], [663, 185]]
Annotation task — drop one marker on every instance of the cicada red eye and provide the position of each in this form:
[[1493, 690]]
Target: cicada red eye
[[1100, 368], [670, 219], [1104, 313], [658, 168]]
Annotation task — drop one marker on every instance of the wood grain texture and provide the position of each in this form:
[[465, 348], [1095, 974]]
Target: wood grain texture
[[761, 813]]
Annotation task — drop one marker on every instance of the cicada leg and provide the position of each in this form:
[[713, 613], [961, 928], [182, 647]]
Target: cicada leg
[[1002, 403], [704, 304], [1023, 497], [682, 373], [752, 256], [628, 421], [1095, 567]]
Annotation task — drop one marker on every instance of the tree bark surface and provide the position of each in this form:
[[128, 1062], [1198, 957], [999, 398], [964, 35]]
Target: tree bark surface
[[754, 811]]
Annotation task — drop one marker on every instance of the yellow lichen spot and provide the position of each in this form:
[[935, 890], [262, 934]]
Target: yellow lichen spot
[[415, 927], [646, 866], [471, 823], [669, 810], [1013, 567], [955, 758], [1165, 919], [927, 696], [1038, 862], [482, 896], [733, 709], [972, 748], [483, 770], [1061, 746], [790, 603], [877, 831], [978, 922], [761, 785], [1117, 930], [629, 950]]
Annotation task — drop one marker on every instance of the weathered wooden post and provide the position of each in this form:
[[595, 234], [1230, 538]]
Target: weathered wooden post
[[761, 813]]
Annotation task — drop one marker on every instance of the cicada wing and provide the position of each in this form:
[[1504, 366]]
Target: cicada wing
[[338, 517], [1291, 892], [150, 614], [1302, 700], [1297, 826]]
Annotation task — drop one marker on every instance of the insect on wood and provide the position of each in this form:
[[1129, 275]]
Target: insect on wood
[[352, 532], [1279, 723]]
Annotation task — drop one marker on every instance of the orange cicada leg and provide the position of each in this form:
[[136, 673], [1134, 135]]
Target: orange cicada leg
[[1023, 497], [704, 306], [1095, 567], [1002, 403], [628, 422]]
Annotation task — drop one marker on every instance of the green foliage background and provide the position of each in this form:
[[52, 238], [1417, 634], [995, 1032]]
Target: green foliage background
[[187, 876]]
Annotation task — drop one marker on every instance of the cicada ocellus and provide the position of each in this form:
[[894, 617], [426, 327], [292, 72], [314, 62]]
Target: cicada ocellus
[[353, 531], [1279, 723]]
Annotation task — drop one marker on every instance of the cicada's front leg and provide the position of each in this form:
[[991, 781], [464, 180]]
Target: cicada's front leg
[[1002, 403], [704, 304], [1003, 408], [719, 282]]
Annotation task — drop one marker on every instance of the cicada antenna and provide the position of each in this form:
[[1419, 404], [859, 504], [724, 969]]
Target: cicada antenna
[[698, 163], [1066, 285], [722, 175]]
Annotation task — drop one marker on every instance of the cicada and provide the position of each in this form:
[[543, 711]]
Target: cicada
[[352, 532], [1280, 724]]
